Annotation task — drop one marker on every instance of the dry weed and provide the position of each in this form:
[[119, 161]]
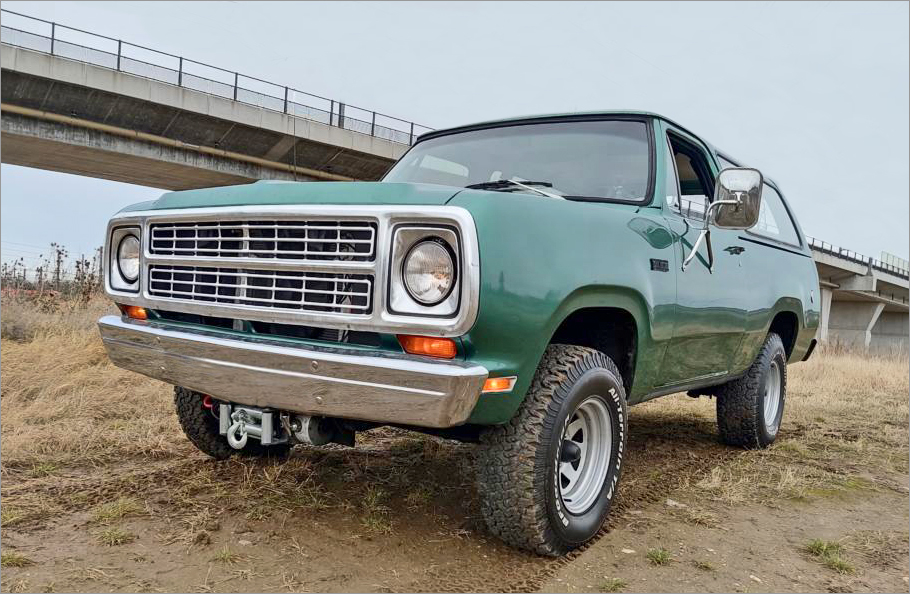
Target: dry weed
[[846, 418], [612, 585], [65, 403], [14, 559], [659, 556], [880, 549], [115, 536], [115, 510]]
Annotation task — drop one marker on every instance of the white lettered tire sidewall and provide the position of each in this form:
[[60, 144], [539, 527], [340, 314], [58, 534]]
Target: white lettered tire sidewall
[[517, 461], [576, 529]]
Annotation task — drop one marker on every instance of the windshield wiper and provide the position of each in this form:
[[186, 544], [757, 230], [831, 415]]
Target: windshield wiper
[[502, 184], [505, 183]]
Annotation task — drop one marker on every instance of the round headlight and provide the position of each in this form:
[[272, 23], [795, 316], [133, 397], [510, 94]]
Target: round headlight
[[128, 258], [429, 272]]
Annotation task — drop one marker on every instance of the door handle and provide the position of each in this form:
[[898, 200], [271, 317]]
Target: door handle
[[735, 250]]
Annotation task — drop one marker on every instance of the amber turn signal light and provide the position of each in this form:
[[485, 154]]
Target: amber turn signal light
[[498, 384], [134, 311], [442, 348]]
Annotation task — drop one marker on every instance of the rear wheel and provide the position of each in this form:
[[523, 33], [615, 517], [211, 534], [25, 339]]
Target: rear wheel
[[200, 425], [548, 477], [750, 409]]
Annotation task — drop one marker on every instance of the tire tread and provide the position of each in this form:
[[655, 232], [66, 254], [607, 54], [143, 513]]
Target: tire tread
[[739, 401], [512, 463]]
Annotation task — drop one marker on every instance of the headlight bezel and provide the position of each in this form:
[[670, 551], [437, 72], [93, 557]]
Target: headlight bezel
[[119, 257], [406, 237], [116, 280]]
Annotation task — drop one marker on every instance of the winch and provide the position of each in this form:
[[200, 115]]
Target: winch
[[240, 422]]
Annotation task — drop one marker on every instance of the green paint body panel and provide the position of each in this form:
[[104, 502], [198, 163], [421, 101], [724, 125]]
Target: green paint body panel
[[282, 192], [543, 259]]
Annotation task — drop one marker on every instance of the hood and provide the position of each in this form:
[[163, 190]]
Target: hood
[[279, 192]]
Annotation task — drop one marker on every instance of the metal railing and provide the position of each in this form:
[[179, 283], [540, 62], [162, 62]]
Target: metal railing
[[694, 209], [827, 248], [99, 50]]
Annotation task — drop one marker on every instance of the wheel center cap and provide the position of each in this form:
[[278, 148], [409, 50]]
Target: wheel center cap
[[569, 452]]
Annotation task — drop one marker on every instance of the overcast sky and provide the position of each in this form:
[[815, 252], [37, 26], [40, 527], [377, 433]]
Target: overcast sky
[[814, 94]]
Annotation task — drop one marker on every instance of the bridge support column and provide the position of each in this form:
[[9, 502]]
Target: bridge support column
[[825, 317], [876, 312], [851, 323], [890, 334]]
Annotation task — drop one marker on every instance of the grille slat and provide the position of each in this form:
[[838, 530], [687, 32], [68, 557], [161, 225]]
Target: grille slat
[[316, 240], [306, 291]]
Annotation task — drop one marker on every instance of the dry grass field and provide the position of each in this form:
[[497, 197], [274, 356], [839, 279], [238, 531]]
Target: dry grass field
[[100, 490]]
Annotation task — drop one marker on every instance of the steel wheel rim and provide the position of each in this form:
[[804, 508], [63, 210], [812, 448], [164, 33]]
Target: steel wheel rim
[[591, 428], [772, 395]]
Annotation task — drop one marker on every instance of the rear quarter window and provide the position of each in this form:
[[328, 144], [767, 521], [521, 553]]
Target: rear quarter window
[[774, 221]]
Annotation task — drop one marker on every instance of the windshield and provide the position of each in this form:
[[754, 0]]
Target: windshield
[[603, 159]]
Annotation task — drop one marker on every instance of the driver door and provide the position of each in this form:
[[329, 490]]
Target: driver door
[[710, 311]]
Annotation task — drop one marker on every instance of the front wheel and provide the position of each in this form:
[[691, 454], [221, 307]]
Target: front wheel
[[750, 409], [547, 478]]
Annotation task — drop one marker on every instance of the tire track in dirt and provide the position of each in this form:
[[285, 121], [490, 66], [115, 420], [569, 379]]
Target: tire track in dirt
[[439, 546], [662, 454]]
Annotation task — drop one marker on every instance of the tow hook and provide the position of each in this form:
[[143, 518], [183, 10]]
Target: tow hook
[[237, 434]]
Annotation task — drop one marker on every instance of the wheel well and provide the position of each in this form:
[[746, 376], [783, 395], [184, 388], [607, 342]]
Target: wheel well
[[610, 330], [785, 325]]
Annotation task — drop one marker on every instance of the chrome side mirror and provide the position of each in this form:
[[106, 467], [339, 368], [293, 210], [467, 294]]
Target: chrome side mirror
[[737, 198], [736, 205]]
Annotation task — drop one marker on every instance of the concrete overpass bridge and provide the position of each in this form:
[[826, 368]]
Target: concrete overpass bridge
[[82, 103], [864, 301], [86, 104]]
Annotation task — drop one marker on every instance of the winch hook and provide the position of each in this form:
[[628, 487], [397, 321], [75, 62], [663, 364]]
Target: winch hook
[[237, 435]]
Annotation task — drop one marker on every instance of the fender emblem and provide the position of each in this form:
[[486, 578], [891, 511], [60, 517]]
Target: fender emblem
[[660, 265]]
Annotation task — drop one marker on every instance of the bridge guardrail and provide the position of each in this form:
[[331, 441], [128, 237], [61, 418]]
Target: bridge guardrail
[[825, 247], [116, 54]]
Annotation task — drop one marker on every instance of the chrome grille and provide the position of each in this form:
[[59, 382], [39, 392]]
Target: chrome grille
[[314, 240], [306, 291]]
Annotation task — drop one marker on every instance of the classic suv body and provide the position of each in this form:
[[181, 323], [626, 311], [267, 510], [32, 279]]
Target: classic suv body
[[543, 260], [482, 306]]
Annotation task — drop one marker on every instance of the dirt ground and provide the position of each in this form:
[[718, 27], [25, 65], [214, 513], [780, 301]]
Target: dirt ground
[[102, 492]]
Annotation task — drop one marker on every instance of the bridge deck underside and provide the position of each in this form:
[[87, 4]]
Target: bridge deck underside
[[128, 104]]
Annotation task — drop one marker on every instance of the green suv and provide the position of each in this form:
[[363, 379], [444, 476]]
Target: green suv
[[515, 283]]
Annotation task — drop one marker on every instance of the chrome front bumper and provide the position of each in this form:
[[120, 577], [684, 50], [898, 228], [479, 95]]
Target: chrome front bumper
[[329, 382]]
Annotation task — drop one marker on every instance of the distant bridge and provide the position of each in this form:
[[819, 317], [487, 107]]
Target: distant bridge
[[864, 302], [91, 105]]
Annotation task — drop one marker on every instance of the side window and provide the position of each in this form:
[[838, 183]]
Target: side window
[[773, 219], [694, 177]]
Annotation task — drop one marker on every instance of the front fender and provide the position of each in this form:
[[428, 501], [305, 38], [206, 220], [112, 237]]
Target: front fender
[[542, 259]]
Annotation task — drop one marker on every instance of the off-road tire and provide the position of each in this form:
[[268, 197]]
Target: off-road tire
[[740, 403], [201, 427], [517, 462]]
